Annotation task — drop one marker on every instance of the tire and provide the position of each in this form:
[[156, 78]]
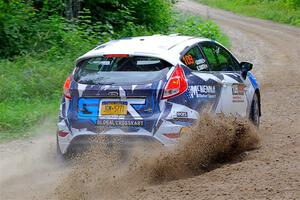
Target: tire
[[254, 112]]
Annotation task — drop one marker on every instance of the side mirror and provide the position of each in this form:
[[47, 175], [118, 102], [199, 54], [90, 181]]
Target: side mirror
[[245, 68]]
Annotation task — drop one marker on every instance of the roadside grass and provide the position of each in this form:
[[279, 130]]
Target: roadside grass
[[19, 117], [282, 11], [30, 90], [31, 84]]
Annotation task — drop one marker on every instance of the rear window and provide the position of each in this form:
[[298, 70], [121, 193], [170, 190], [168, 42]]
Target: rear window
[[134, 63], [95, 70]]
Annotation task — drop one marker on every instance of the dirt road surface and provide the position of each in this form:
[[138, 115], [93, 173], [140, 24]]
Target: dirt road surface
[[29, 170]]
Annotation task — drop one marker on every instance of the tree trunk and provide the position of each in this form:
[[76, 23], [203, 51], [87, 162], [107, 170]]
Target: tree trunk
[[72, 8], [76, 8], [69, 9]]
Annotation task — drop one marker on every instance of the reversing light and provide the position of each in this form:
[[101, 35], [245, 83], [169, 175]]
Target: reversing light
[[67, 86], [176, 85]]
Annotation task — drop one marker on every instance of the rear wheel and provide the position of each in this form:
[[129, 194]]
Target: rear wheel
[[254, 112]]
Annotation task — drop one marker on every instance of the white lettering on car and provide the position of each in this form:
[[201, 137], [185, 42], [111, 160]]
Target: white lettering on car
[[202, 91], [202, 67], [200, 61]]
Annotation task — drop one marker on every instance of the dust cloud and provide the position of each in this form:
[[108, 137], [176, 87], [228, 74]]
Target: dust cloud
[[103, 173]]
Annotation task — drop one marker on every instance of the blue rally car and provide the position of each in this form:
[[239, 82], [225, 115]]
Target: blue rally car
[[147, 89]]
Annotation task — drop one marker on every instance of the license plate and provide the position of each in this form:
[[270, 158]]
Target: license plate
[[114, 108]]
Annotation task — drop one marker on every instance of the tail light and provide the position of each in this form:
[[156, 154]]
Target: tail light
[[176, 85], [67, 86], [62, 133]]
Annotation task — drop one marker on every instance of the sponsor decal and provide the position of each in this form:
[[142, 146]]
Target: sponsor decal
[[188, 59], [181, 114], [200, 61], [201, 64], [118, 123], [237, 98], [202, 91], [202, 67], [238, 91]]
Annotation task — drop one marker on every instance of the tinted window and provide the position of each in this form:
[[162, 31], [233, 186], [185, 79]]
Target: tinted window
[[219, 58], [194, 60], [133, 63], [104, 70]]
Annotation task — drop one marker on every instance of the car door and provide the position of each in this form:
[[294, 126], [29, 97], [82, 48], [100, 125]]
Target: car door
[[223, 64], [204, 89]]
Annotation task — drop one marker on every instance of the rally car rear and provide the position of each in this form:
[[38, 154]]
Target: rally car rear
[[125, 97]]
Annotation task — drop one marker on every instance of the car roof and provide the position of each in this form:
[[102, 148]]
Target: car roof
[[166, 47]]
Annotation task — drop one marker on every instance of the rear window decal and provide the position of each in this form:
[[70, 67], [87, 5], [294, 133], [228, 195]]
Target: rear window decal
[[202, 67], [188, 59]]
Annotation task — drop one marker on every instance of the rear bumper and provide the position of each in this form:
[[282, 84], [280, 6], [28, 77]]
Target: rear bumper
[[79, 139], [117, 142]]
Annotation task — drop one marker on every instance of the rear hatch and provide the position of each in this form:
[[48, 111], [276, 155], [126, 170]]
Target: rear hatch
[[118, 91]]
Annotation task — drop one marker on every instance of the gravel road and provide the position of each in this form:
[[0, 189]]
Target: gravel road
[[29, 169]]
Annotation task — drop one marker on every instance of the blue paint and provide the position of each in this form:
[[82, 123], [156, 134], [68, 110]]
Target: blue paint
[[253, 80], [91, 105]]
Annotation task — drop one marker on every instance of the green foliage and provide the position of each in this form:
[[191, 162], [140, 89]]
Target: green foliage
[[154, 14], [34, 26], [13, 26], [31, 85], [24, 32], [18, 116], [283, 11], [48, 7], [195, 26], [29, 77]]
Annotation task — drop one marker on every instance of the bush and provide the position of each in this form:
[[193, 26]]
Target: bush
[[192, 25], [154, 14], [185, 24], [35, 26]]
